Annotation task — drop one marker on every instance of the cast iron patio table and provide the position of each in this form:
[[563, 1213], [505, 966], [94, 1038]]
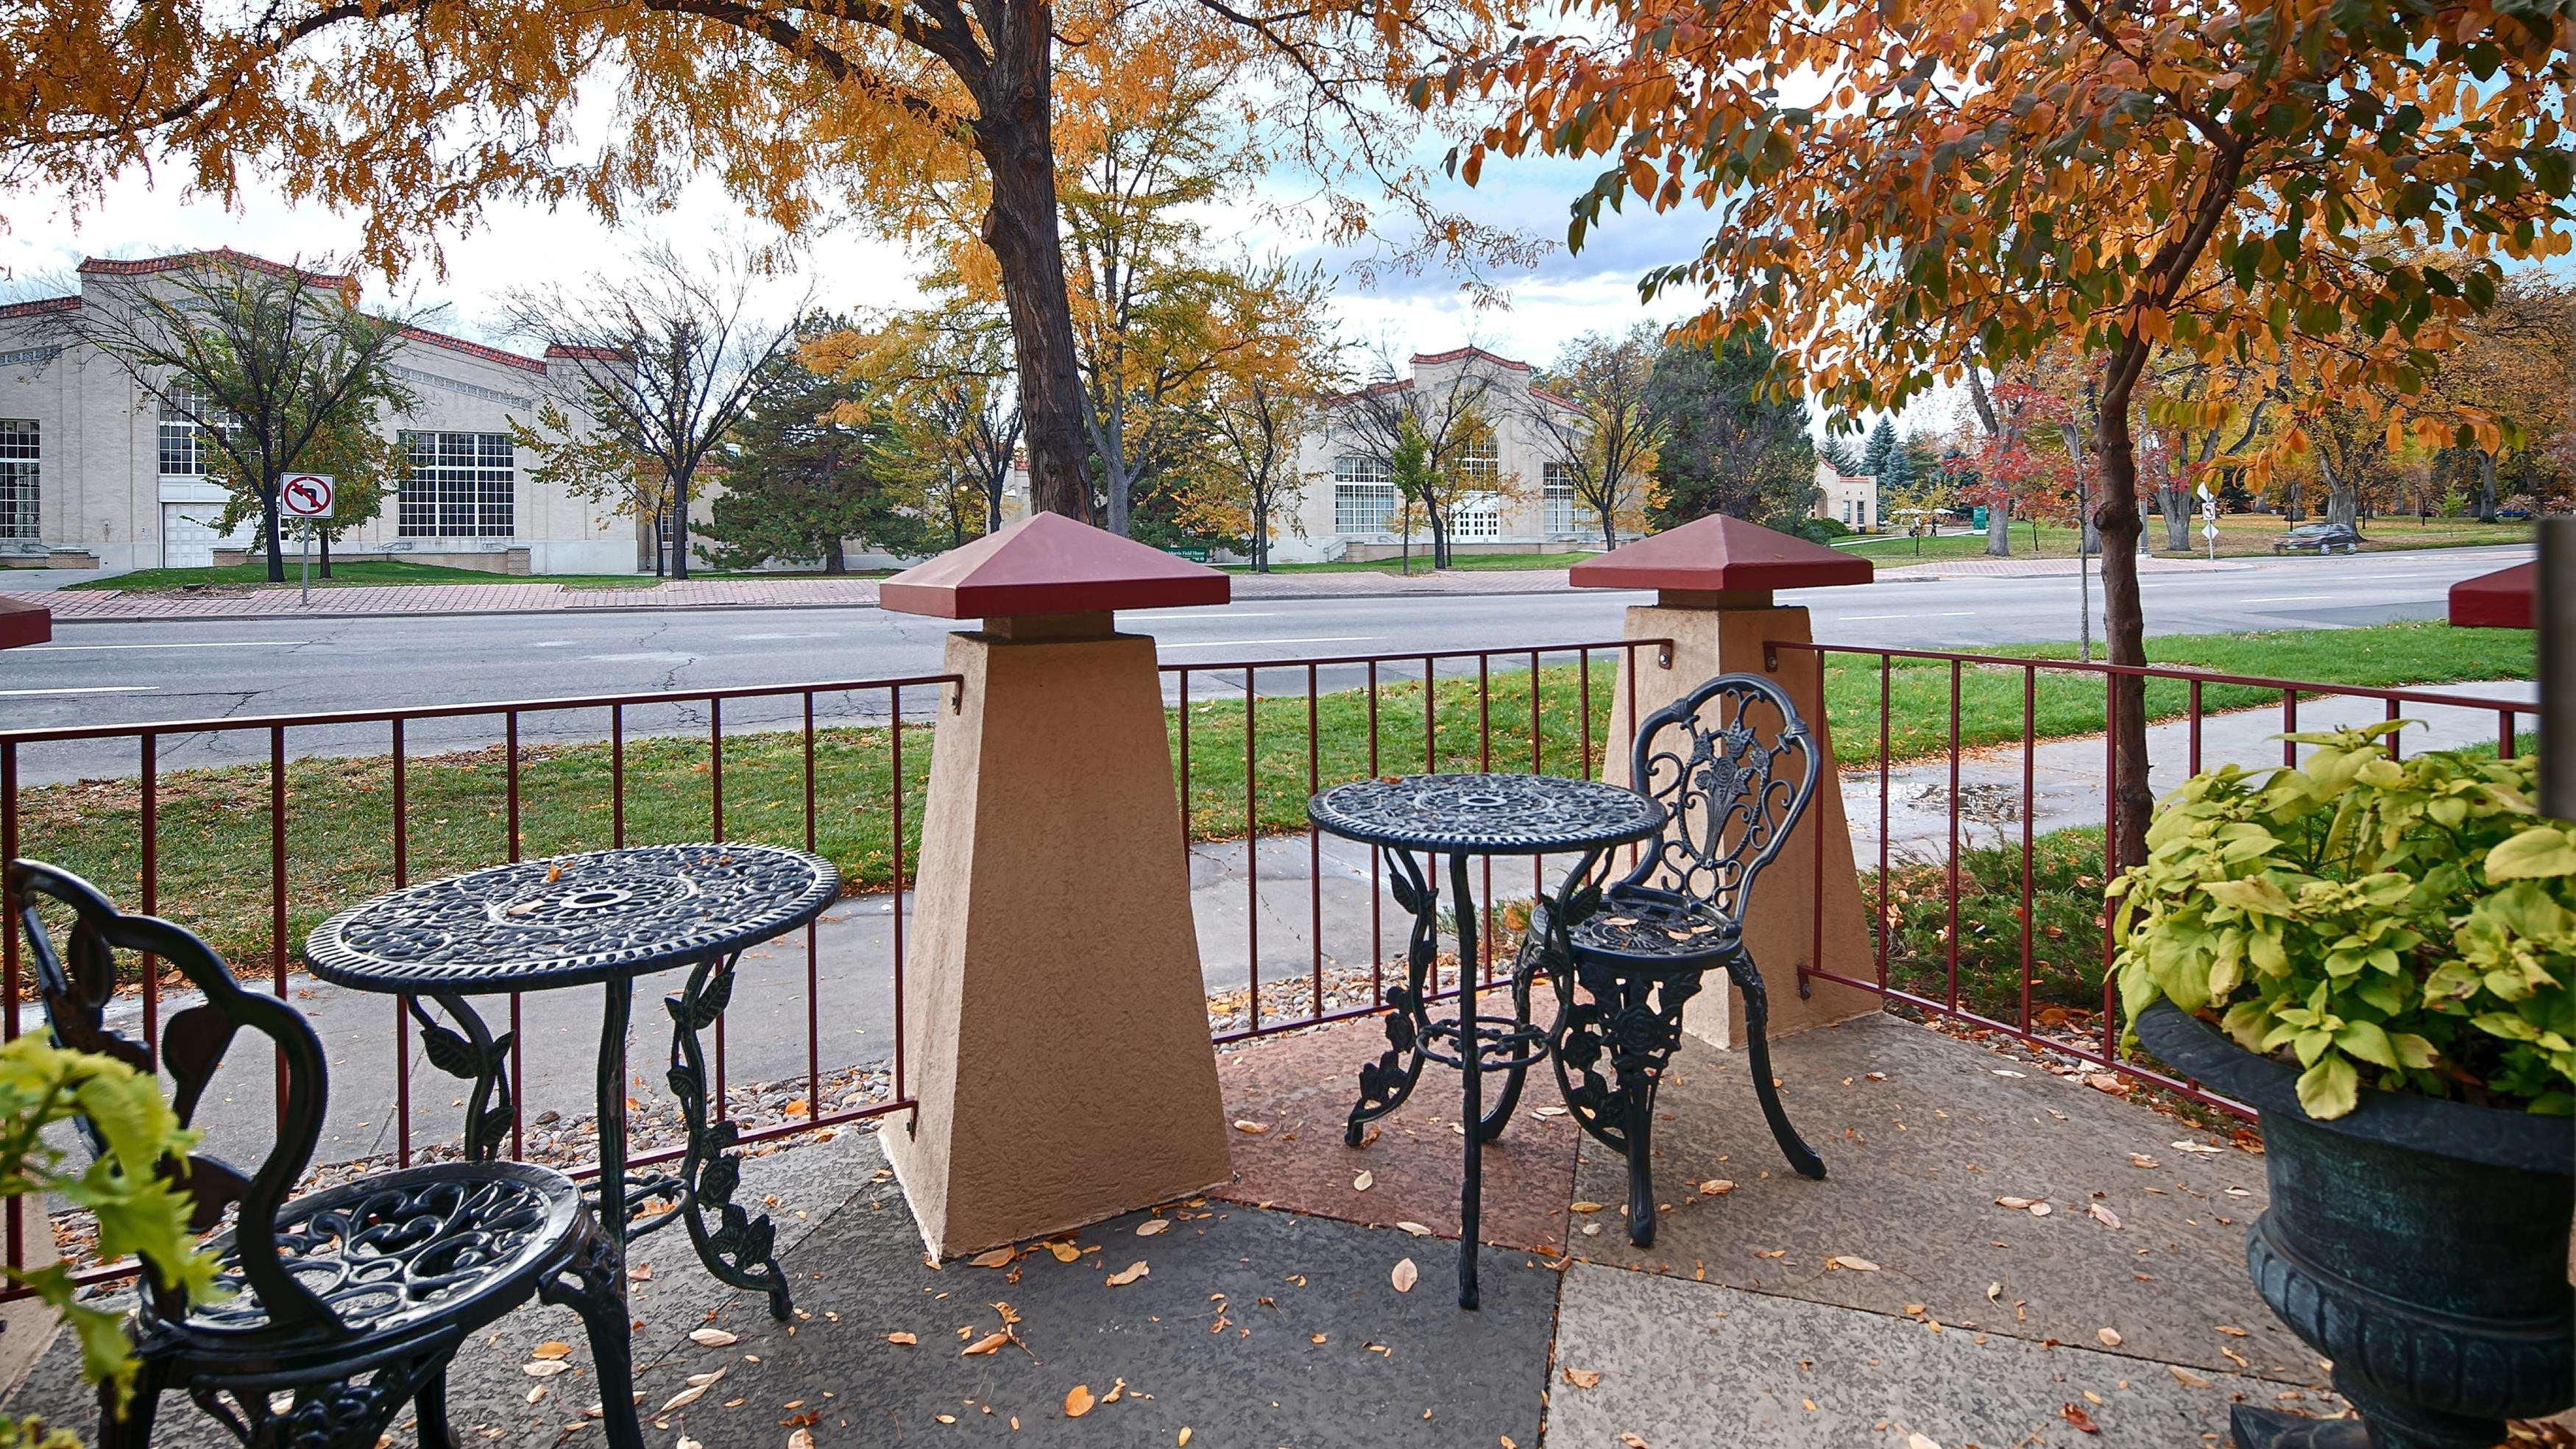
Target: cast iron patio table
[[1461, 816], [602, 918]]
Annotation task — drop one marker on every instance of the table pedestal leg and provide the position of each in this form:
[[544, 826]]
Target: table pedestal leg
[[1470, 1071], [740, 1249], [617, 1008], [1386, 1082], [476, 1056]]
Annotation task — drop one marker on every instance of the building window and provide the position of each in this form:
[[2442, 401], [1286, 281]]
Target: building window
[[457, 485], [1480, 517], [1481, 461], [1557, 497], [1364, 498], [184, 445], [21, 453]]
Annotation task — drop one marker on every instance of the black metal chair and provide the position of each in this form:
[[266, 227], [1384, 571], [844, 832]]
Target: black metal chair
[[346, 1304], [1735, 766]]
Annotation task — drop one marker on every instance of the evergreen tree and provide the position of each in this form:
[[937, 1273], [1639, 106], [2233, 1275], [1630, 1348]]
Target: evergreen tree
[[1873, 457], [1731, 448], [804, 471], [1894, 469]]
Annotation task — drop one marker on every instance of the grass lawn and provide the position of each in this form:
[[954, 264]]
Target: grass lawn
[[213, 825], [2240, 535], [351, 572]]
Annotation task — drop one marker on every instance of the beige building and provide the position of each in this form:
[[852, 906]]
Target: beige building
[[1847, 499], [94, 474], [1349, 507]]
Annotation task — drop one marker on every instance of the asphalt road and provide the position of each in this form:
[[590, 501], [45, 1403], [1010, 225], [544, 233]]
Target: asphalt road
[[198, 670]]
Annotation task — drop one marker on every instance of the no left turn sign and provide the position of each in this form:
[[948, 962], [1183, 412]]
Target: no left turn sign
[[305, 495]]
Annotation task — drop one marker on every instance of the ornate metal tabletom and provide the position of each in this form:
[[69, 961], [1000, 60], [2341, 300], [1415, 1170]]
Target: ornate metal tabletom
[[600, 918], [1461, 816]]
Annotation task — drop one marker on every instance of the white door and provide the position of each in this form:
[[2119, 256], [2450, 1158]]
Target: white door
[[189, 536]]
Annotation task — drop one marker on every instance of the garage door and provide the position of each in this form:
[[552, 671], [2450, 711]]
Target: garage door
[[189, 536]]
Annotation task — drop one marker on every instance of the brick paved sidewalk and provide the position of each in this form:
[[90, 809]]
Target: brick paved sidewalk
[[477, 598]]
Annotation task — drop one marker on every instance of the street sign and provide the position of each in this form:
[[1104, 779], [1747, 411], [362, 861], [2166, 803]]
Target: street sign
[[305, 495]]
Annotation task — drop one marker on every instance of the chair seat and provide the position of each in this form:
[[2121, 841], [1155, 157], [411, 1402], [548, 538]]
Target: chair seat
[[1655, 929], [408, 1250]]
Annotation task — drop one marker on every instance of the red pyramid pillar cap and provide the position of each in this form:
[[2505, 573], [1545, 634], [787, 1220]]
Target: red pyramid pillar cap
[[2500, 600], [1720, 554], [1047, 563], [24, 621]]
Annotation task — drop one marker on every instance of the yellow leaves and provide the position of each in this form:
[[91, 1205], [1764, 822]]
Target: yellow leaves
[[1404, 1275], [1129, 1274], [1077, 1401]]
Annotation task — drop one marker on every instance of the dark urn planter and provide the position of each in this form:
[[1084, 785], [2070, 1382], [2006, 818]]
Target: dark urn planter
[[2420, 1245]]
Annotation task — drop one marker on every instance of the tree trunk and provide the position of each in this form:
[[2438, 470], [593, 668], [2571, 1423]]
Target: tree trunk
[[1015, 136], [2124, 627], [680, 529], [1999, 528], [268, 529], [322, 553], [2486, 487], [834, 561], [2177, 506], [1609, 529]]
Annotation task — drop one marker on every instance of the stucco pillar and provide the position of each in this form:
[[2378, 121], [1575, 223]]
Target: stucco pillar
[[1055, 1021], [1713, 580]]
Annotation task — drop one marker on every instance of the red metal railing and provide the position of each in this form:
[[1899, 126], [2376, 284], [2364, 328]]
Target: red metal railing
[[138, 876], [1458, 731], [2098, 1044]]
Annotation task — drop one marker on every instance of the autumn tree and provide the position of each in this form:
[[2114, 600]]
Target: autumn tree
[[1897, 189], [1255, 412], [1733, 443], [419, 115], [1598, 418], [2517, 363], [647, 372], [941, 379], [273, 367]]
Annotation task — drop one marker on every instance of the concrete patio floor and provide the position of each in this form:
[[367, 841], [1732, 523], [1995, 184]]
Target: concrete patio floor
[[1895, 1303]]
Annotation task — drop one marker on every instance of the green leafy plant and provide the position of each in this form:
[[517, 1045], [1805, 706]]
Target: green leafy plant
[[2406, 922], [139, 1212]]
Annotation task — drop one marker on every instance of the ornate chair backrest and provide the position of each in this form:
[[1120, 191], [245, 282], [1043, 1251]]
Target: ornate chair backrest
[[1735, 766], [77, 983]]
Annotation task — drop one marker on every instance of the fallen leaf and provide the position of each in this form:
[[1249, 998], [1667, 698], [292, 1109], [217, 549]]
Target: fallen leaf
[[906, 1339], [1364, 1182], [1404, 1276], [687, 1396], [1132, 1272], [1630, 1441], [2074, 1414], [1254, 1129], [1583, 1207], [1316, 1338], [1150, 1226], [987, 1344], [1184, 1440], [1077, 1401], [2040, 1209], [2110, 1337], [800, 1440], [1918, 1441], [711, 1338], [1064, 1252], [2140, 1159], [1417, 1229], [544, 1368], [1857, 1265], [2231, 1330], [1716, 1187], [2017, 1204], [1115, 1390], [2186, 1377], [551, 1350], [2103, 1215], [1583, 1378], [945, 1418], [1995, 1292], [2201, 1147], [997, 1258], [640, 1273]]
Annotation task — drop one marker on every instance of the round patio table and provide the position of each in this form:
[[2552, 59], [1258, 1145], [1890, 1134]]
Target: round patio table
[[603, 918], [1461, 816]]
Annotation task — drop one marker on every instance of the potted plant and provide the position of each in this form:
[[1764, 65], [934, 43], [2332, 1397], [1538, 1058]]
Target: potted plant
[[2387, 947]]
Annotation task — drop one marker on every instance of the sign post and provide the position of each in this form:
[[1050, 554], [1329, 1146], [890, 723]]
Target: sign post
[[306, 497], [2209, 521]]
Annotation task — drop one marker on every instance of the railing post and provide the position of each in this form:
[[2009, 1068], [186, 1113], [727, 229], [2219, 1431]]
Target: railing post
[[1714, 580], [1055, 1019]]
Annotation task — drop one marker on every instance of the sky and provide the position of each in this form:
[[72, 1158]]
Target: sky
[[1392, 313]]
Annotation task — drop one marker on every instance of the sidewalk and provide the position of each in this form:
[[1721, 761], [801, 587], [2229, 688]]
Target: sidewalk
[[1894, 568], [262, 602], [1894, 1305]]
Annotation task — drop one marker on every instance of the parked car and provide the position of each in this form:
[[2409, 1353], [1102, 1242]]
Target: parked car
[[2320, 538]]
